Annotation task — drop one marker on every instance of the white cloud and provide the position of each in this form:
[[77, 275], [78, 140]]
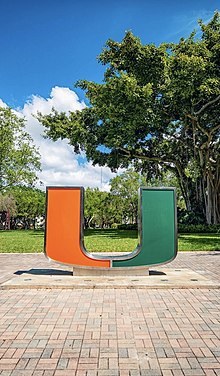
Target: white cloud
[[60, 166], [185, 23], [2, 104]]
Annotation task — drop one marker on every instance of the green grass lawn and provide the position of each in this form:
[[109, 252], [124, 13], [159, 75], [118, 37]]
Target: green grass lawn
[[102, 241], [21, 241], [199, 242]]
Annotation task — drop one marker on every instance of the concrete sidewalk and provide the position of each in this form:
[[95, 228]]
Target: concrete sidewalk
[[109, 331]]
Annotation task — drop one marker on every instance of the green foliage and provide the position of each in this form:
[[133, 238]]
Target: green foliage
[[120, 205], [98, 209], [190, 228], [124, 194], [8, 204], [114, 226], [189, 217], [158, 108], [19, 159], [128, 226], [30, 202]]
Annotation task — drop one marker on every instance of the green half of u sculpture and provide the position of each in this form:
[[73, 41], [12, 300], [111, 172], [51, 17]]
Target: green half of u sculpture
[[157, 229]]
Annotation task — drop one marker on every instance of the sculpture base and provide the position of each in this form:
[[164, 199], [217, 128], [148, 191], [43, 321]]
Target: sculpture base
[[110, 272]]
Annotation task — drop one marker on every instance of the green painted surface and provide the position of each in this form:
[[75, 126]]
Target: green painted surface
[[158, 243]]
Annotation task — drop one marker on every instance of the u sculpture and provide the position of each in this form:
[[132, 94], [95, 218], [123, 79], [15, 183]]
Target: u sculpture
[[157, 231]]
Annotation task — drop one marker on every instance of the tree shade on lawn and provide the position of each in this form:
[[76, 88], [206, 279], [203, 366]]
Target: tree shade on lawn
[[22, 241]]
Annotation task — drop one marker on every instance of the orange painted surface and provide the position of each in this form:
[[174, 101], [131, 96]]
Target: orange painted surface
[[63, 228]]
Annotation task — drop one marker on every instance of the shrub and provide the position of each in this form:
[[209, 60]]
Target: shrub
[[190, 218], [129, 226], [201, 228], [114, 226]]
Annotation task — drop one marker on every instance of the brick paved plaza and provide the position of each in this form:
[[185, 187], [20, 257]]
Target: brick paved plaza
[[118, 332]]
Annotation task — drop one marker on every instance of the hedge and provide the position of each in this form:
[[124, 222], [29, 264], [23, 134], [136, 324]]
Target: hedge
[[183, 228]]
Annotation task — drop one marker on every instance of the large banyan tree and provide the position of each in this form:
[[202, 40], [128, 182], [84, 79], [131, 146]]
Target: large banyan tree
[[158, 108]]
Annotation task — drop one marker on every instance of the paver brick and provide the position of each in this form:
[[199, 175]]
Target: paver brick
[[98, 332], [22, 373], [65, 373]]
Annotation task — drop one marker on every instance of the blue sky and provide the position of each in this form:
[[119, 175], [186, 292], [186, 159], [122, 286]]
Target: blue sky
[[47, 43]]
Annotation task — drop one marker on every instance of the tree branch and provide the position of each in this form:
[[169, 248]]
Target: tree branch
[[207, 105], [198, 125], [215, 128], [153, 159]]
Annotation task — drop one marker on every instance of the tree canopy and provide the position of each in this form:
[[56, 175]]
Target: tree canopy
[[8, 203], [30, 202], [95, 210], [157, 108], [119, 206], [19, 159], [124, 192]]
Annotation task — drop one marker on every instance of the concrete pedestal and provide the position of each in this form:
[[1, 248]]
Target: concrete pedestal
[[107, 272]]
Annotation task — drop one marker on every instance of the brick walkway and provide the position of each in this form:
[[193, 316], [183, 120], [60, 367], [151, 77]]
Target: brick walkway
[[118, 332]]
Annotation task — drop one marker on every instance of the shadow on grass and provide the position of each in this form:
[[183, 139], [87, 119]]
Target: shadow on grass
[[21, 232], [109, 233], [37, 233], [201, 243], [44, 272]]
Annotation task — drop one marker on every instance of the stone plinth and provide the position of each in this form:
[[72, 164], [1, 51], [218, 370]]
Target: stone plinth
[[133, 271]]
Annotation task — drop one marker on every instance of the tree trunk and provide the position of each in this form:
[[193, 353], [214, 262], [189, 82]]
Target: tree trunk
[[212, 203]]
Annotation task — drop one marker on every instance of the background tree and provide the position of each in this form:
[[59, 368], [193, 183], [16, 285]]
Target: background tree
[[8, 208], [7, 203], [19, 159], [91, 207], [30, 202], [159, 109], [124, 192], [120, 205], [99, 210], [22, 205]]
